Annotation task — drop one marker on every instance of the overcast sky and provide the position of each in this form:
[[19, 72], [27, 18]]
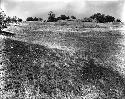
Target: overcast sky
[[78, 8]]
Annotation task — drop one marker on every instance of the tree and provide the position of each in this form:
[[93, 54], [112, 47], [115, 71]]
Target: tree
[[35, 19], [63, 17], [68, 17], [109, 18], [14, 19], [118, 20], [20, 20], [51, 17], [2, 20], [73, 17], [87, 19], [29, 19], [101, 18], [8, 19], [40, 19]]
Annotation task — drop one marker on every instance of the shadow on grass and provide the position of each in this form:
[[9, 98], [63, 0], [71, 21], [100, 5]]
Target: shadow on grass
[[33, 70], [6, 33]]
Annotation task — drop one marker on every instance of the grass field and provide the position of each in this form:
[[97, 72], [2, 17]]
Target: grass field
[[51, 61]]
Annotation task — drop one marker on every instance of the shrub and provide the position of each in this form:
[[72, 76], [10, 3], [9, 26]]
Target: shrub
[[51, 17], [101, 18], [73, 17], [29, 19]]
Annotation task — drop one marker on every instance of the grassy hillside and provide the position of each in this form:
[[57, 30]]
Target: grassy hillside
[[34, 71], [61, 61]]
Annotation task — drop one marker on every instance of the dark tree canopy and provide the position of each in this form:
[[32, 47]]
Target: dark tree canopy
[[118, 20], [8, 19], [14, 19], [73, 17], [29, 19], [109, 18], [20, 20], [51, 17], [2, 20], [97, 17], [63, 17], [34, 19], [102, 18]]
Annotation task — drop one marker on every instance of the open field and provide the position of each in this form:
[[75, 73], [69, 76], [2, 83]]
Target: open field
[[55, 61]]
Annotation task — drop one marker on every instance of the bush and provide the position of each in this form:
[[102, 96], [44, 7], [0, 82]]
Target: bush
[[101, 18], [20, 20], [118, 20], [29, 19], [87, 19], [51, 17], [73, 17], [34, 19]]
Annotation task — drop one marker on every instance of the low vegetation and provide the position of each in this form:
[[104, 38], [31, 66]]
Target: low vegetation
[[36, 71], [34, 19]]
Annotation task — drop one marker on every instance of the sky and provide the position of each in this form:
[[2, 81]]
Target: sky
[[78, 8]]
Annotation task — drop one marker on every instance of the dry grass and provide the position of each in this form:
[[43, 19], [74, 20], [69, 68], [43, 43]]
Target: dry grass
[[64, 69], [33, 71]]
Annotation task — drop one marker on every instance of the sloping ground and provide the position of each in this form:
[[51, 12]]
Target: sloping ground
[[53, 64], [39, 72]]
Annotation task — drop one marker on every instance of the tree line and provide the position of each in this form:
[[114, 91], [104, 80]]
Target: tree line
[[51, 17], [97, 17]]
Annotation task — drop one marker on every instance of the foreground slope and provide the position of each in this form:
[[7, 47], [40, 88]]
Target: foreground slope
[[51, 61], [33, 70]]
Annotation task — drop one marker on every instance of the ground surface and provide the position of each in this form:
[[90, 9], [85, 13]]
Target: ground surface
[[63, 61]]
